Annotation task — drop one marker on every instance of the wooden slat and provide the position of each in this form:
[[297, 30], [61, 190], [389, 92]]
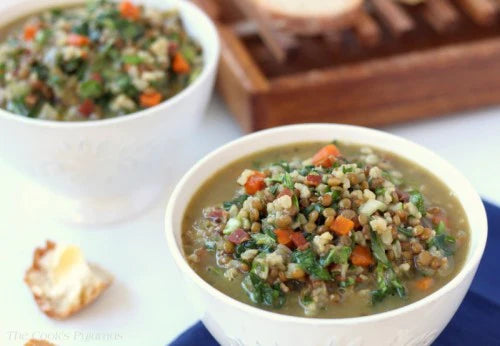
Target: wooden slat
[[279, 43], [441, 15], [367, 30], [398, 22], [482, 12]]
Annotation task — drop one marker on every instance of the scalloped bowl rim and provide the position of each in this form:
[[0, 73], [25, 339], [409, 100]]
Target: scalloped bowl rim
[[210, 64], [472, 260]]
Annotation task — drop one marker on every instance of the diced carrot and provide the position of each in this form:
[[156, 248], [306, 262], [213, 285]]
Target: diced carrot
[[326, 156], [180, 64], [77, 40], [342, 225], [255, 183], [283, 236], [424, 283], [150, 99], [298, 239], [362, 256], [87, 107], [129, 10], [30, 32]]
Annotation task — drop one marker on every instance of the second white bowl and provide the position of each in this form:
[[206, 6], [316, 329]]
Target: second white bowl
[[106, 170]]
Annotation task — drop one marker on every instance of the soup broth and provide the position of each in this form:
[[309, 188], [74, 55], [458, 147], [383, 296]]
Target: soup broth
[[368, 231]]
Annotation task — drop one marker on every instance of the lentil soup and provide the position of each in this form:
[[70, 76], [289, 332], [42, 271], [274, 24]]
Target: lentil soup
[[98, 60], [326, 231]]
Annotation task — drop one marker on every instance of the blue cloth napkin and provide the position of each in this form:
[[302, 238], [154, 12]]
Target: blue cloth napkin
[[477, 321]]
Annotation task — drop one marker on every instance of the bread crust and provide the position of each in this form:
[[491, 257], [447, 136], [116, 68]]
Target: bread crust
[[46, 306], [307, 25]]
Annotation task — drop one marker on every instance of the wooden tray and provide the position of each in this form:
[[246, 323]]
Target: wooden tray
[[397, 63]]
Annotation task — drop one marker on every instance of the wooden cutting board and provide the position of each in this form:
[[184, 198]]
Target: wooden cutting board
[[397, 63]]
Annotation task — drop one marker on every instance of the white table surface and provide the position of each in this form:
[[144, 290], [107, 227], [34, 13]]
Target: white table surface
[[145, 305]]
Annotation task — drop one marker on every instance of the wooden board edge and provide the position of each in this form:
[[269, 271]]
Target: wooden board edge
[[423, 85]]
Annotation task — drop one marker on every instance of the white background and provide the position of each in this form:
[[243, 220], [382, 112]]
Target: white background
[[146, 305]]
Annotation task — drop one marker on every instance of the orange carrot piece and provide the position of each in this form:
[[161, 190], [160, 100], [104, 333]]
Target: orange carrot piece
[[255, 183], [77, 40], [424, 283], [30, 32], [283, 236], [342, 225], [150, 99], [180, 64], [362, 256], [326, 156], [129, 10]]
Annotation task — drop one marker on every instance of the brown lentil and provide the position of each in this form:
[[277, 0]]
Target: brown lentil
[[323, 229], [329, 212], [416, 247], [345, 203], [436, 263], [254, 214], [334, 181], [353, 178], [418, 230], [348, 214], [223, 259], [403, 215], [413, 221], [364, 185], [284, 221], [396, 220], [424, 258], [228, 247], [426, 234], [356, 203], [257, 204], [326, 200], [407, 254], [313, 216], [255, 228], [363, 219], [376, 182], [329, 221], [405, 245], [309, 227]]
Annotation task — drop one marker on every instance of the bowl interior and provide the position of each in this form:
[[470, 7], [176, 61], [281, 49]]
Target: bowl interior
[[196, 23], [453, 179]]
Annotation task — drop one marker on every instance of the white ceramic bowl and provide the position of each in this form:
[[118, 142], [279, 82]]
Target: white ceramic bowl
[[235, 323], [105, 170]]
